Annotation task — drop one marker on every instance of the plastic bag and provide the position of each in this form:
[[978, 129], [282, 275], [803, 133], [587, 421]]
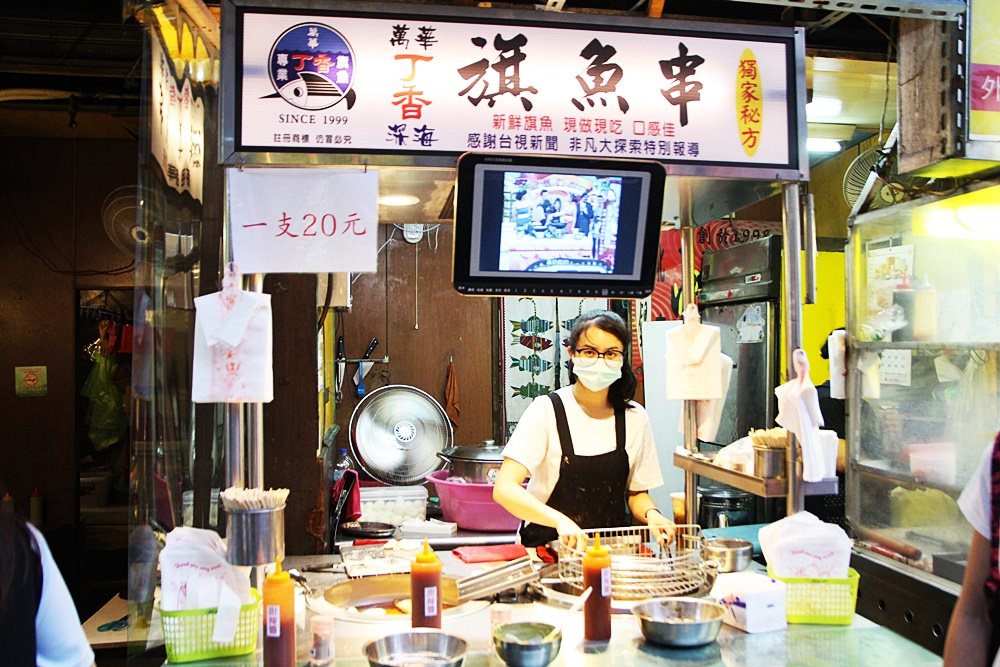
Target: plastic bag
[[106, 417]]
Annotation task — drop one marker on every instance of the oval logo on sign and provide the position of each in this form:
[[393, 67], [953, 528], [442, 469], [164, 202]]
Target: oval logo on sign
[[312, 67], [749, 102]]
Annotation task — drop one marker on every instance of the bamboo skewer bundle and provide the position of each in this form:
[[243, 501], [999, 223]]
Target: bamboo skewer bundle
[[237, 499], [771, 438]]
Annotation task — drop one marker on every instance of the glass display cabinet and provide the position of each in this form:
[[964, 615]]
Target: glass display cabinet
[[923, 335]]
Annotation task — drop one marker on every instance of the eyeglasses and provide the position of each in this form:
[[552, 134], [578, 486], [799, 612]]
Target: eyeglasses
[[588, 356]]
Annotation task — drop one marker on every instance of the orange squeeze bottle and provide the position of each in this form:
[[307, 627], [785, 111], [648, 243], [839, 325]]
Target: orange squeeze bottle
[[425, 589], [279, 619], [597, 576]]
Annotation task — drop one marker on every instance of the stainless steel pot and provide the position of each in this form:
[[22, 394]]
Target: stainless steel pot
[[477, 463]]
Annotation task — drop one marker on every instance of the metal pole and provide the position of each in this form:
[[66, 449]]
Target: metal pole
[[792, 250], [255, 434], [687, 297], [232, 418], [255, 416]]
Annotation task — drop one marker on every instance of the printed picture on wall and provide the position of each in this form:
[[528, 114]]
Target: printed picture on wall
[[533, 345]]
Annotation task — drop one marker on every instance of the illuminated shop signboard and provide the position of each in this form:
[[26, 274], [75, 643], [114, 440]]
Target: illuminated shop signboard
[[443, 81]]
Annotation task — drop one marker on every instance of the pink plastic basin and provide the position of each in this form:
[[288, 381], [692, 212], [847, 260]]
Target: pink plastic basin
[[471, 505]]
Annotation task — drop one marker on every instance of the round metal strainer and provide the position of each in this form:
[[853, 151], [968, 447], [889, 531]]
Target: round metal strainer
[[397, 432]]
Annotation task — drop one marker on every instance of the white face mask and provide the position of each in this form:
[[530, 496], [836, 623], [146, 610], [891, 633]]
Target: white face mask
[[597, 376]]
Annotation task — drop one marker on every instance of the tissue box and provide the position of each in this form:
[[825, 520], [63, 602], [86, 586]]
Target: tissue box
[[753, 602]]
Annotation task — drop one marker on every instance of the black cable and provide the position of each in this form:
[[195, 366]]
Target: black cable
[[32, 248]]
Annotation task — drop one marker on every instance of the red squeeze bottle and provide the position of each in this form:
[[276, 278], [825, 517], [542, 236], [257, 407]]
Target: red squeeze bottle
[[279, 619], [425, 589], [597, 608]]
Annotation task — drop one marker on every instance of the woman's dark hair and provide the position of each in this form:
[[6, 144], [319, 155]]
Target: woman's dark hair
[[623, 389]]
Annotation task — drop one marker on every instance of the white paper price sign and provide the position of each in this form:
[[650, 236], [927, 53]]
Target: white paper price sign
[[304, 220]]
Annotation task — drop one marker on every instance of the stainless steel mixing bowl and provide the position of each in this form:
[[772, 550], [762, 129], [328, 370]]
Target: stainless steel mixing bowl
[[733, 555], [521, 645], [417, 647], [679, 621]]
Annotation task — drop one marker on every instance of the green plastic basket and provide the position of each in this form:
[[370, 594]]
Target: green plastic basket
[[187, 635], [820, 601]]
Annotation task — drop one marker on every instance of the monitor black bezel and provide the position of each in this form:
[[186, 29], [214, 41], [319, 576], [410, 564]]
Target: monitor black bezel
[[469, 184]]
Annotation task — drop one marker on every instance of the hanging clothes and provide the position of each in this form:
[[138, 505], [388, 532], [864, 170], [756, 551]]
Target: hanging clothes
[[451, 406]]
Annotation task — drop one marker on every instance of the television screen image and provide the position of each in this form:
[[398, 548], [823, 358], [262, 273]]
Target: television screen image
[[559, 222], [545, 225]]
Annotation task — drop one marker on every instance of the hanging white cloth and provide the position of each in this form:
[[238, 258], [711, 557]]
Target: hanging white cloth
[[232, 347], [693, 359], [708, 412], [798, 411]]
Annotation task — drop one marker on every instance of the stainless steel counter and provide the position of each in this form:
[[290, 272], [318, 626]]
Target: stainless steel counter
[[860, 644]]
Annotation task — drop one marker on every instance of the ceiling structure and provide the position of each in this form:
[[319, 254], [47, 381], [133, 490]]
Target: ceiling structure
[[72, 68]]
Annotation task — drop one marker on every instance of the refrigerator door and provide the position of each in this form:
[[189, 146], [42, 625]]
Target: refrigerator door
[[749, 335]]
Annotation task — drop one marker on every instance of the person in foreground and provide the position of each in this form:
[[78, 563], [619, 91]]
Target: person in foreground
[[973, 630], [38, 622], [588, 447]]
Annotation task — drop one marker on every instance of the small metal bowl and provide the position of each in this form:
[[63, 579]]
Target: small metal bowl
[[521, 645], [733, 555], [681, 622], [417, 647]]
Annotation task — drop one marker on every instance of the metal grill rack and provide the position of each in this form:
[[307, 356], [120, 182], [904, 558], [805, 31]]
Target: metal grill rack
[[643, 563]]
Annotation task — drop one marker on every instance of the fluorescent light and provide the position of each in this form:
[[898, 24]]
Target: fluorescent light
[[817, 145], [823, 107], [837, 131], [398, 200]]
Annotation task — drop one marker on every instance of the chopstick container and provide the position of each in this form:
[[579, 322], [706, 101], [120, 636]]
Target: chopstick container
[[769, 462], [255, 537]]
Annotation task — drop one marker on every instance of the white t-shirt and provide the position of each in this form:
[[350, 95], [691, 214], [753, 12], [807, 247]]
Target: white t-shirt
[[975, 504], [535, 443], [975, 499], [59, 637]]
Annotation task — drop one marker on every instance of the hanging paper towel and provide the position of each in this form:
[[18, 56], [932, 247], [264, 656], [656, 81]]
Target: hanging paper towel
[[836, 344], [798, 411], [693, 353]]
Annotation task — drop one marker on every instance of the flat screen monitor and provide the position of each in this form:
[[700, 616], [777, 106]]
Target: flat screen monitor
[[556, 226]]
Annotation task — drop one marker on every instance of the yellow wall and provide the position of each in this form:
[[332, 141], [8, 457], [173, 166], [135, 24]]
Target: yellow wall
[[822, 317]]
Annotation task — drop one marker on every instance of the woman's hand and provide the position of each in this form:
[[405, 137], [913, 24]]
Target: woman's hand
[[663, 529], [571, 535]]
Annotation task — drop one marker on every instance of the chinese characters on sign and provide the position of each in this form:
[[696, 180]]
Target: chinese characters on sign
[[984, 72], [748, 102], [177, 122], [411, 99], [304, 220], [432, 84]]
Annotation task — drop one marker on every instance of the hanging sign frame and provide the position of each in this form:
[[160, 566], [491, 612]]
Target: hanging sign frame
[[353, 82]]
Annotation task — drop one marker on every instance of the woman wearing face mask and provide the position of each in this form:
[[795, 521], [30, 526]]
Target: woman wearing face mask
[[588, 447]]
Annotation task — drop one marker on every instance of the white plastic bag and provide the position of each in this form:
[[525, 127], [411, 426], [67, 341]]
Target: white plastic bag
[[194, 574]]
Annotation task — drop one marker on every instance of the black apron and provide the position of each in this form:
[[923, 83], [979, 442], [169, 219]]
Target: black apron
[[591, 490]]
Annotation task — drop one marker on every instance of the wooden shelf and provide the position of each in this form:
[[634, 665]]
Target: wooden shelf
[[765, 488]]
